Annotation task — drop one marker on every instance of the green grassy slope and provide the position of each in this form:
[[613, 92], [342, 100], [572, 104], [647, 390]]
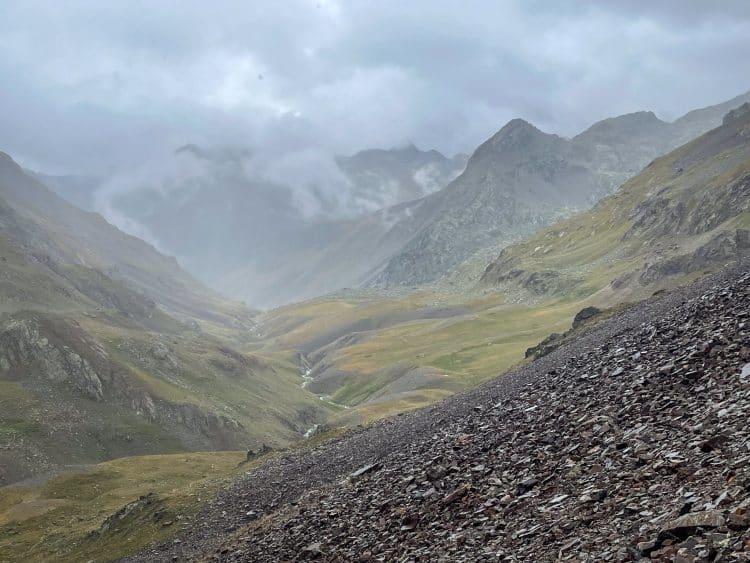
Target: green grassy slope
[[102, 512], [684, 215], [97, 364]]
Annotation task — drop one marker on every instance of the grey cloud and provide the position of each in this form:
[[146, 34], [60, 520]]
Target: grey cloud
[[93, 86]]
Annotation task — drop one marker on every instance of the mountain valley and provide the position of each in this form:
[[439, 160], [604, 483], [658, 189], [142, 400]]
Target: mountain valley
[[629, 443], [374, 282], [115, 362], [108, 348]]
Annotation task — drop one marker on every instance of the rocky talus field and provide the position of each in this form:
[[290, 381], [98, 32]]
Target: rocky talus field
[[629, 444]]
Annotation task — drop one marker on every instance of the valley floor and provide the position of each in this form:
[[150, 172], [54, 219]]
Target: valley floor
[[629, 442]]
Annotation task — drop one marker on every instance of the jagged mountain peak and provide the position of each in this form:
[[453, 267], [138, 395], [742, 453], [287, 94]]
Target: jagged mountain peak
[[737, 113], [634, 117], [518, 135], [517, 127], [409, 150], [522, 178], [687, 212]]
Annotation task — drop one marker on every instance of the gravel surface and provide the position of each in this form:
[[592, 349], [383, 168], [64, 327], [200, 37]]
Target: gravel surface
[[630, 443]]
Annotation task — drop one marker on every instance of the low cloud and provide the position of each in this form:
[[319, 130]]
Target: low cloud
[[106, 88]]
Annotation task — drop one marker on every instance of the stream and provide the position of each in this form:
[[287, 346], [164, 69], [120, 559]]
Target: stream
[[306, 379]]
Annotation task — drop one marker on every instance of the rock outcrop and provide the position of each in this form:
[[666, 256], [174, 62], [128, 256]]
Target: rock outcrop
[[32, 346]]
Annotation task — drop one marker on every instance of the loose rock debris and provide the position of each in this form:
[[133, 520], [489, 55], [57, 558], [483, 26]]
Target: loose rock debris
[[632, 444]]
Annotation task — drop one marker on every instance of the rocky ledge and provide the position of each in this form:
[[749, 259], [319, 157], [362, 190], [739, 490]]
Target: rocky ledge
[[630, 444]]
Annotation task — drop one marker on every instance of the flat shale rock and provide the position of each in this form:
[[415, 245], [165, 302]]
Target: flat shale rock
[[707, 520]]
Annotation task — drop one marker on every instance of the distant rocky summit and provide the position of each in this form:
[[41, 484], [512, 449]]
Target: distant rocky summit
[[396, 217], [522, 179]]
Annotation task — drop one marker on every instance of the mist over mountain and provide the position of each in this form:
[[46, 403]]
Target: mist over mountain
[[270, 233], [514, 183], [374, 281], [222, 210], [522, 178]]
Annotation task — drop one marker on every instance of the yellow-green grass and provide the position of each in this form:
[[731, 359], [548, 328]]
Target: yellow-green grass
[[15, 425], [466, 351], [291, 327], [57, 521], [259, 395], [483, 339], [452, 345]]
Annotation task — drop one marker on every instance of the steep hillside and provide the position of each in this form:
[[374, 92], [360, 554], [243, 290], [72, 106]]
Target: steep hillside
[[629, 444], [49, 227], [686, 213], [522, 179], [109, 349]]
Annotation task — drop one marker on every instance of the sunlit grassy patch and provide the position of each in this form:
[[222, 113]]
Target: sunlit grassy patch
[[58, 521]]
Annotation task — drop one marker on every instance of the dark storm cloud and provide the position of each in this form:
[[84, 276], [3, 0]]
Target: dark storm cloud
[[89, 86]]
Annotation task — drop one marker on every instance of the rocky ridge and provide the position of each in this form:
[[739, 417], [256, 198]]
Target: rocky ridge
[[522, 179], [628, 444], [684, 214]]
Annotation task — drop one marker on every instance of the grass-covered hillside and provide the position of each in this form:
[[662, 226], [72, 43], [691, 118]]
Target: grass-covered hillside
[[102, 512], [109, 349], [686, 214]]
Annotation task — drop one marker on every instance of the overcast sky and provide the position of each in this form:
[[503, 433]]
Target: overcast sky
[[95, 86]]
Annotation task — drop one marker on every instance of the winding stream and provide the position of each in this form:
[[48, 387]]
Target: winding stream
[[306, 379]]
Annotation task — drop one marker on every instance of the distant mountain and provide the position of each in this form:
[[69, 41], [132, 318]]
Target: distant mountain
[[383, 178], [522, 178], [685, 214], [515, 183], [225, 222], [108, 348], [257, 240]]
